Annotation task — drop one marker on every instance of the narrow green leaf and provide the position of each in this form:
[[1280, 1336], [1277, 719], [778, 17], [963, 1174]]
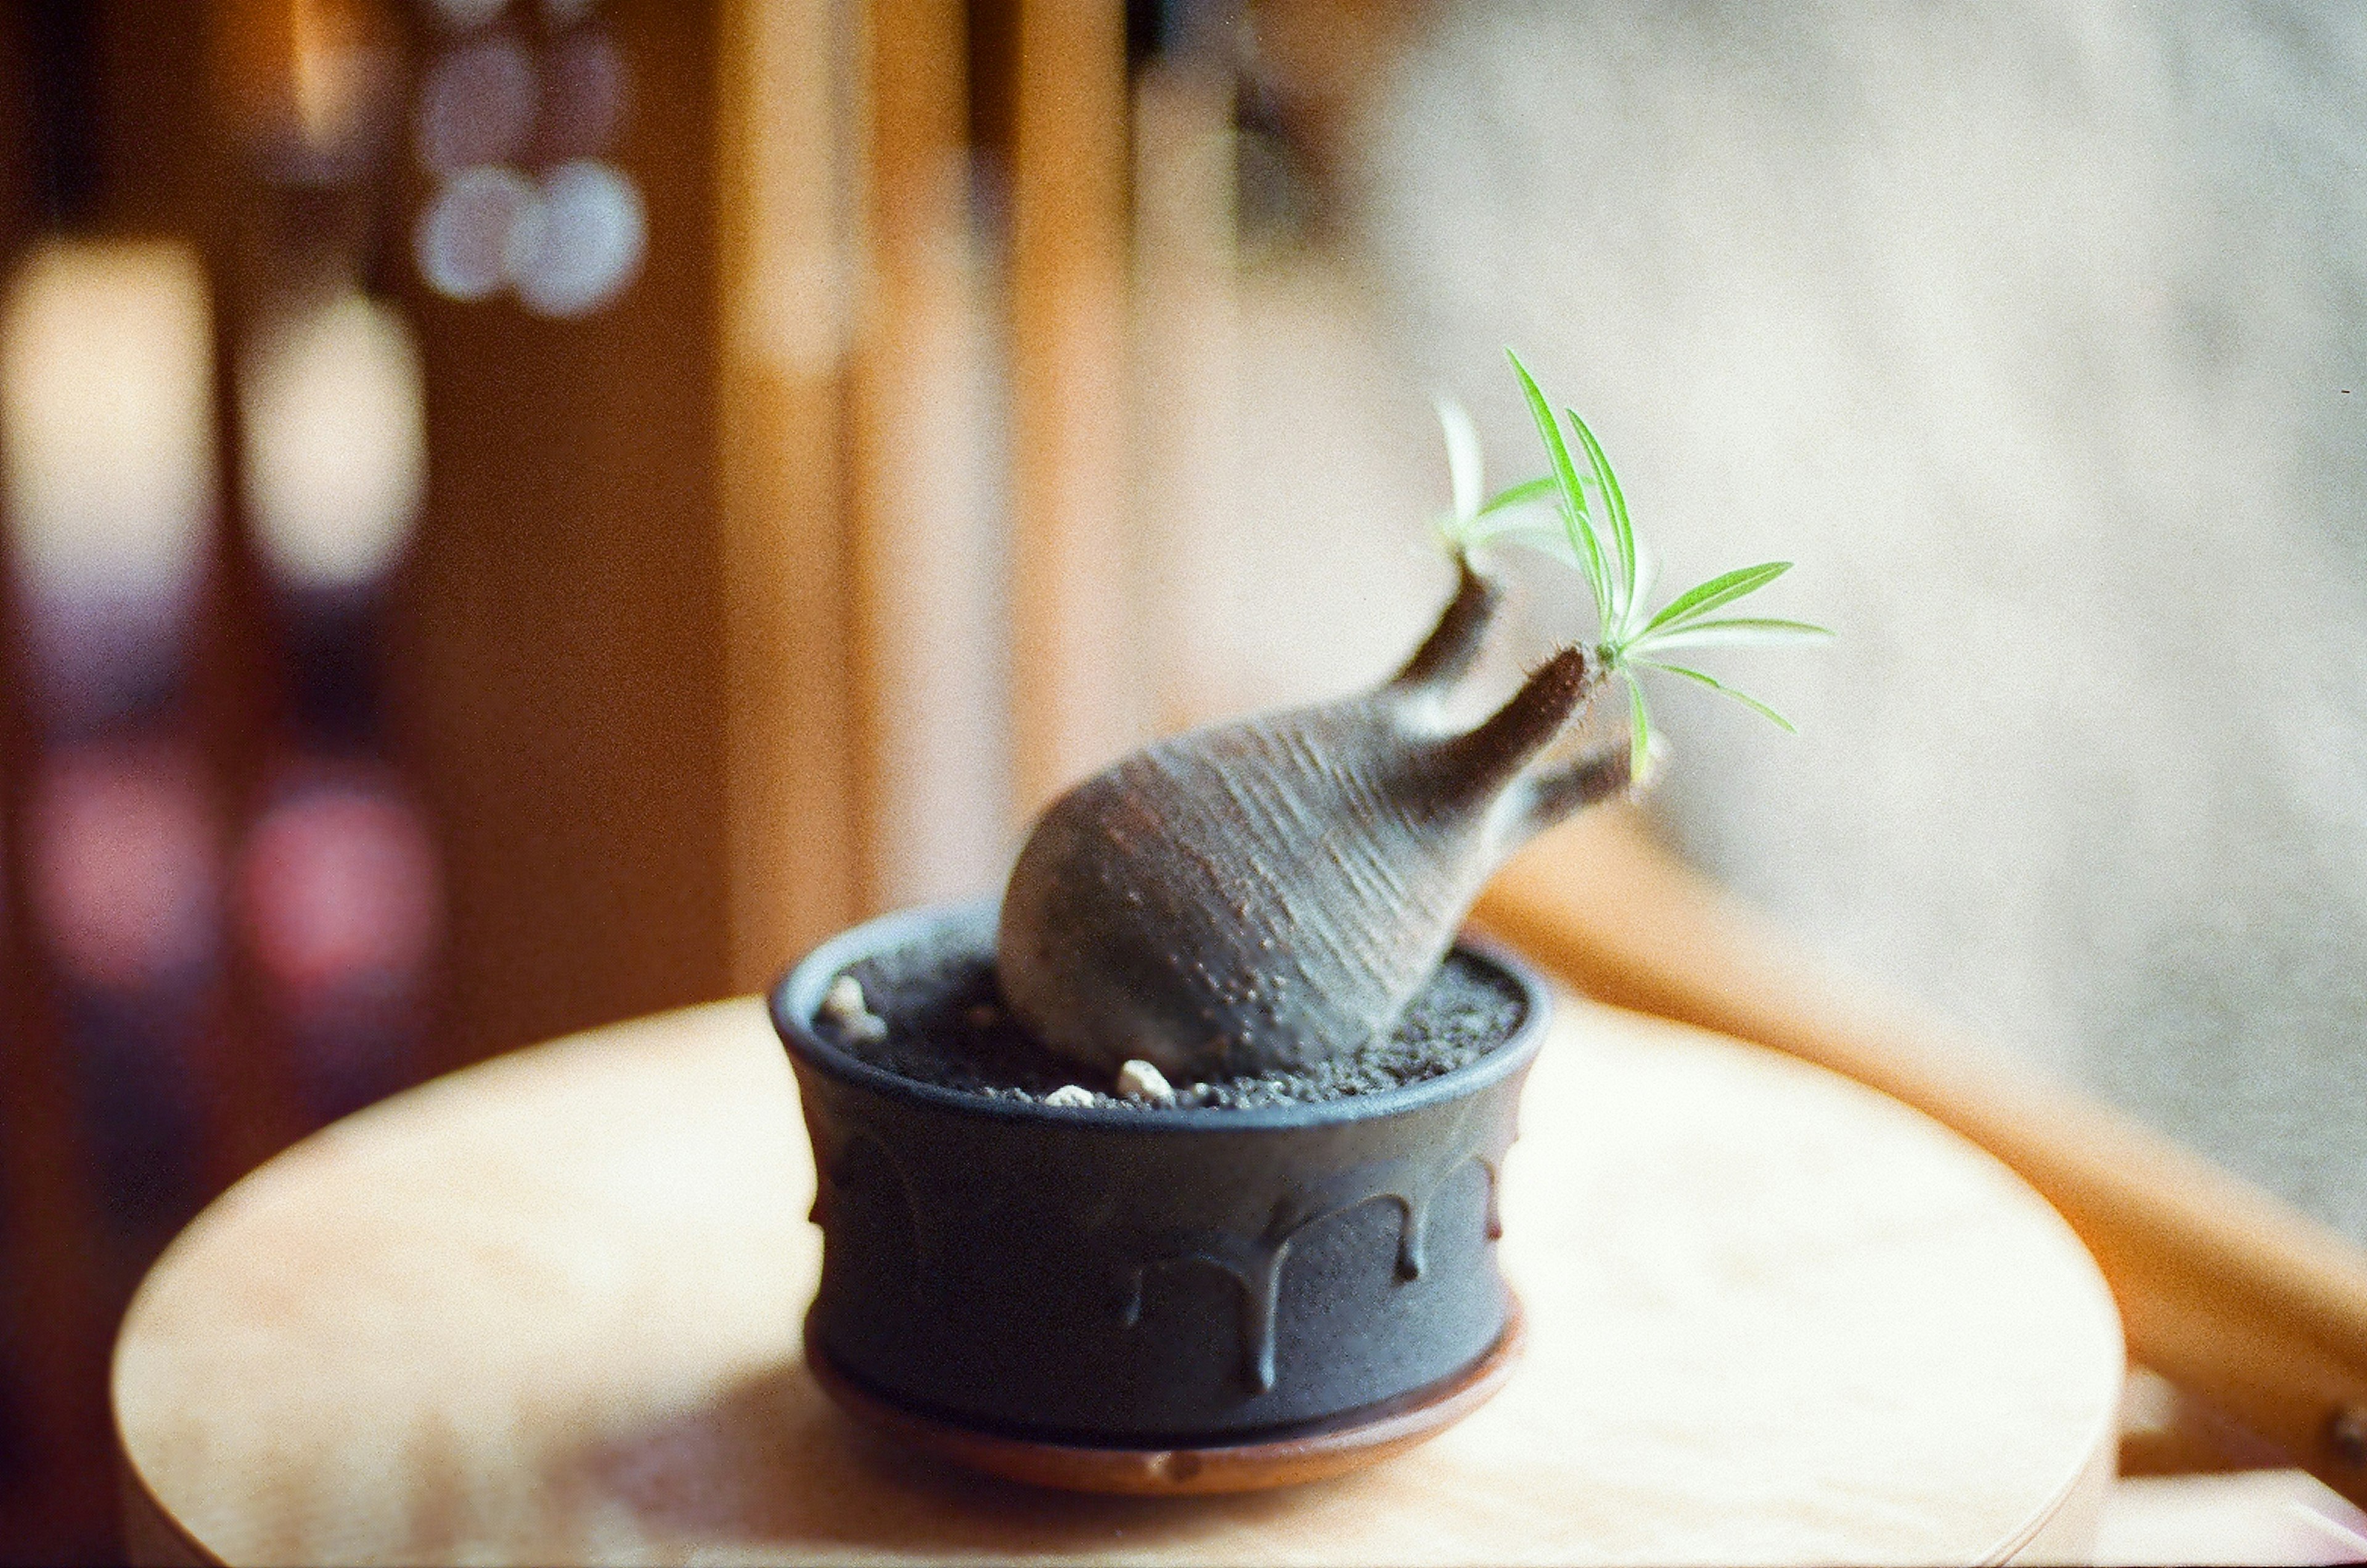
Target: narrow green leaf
[[1747, 700], [1723, 589], [1589, 545], [1546, 536], [1714, 684], [1647, 572], [1573, 497], [1639, 748], [1623, 532], [1740, 632], [1525, 494]]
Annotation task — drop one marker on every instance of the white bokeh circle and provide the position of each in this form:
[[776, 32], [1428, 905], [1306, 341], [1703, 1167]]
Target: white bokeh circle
[[577, 247], [468, 234]]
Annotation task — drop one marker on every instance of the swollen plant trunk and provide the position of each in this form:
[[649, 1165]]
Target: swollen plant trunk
[[1271, 892]]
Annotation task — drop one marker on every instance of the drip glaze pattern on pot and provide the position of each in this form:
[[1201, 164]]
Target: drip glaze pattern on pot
[[1254, 1266], [1127, 1275]]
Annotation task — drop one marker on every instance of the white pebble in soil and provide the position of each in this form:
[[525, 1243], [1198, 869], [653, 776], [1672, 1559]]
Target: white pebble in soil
[[1069, 1094], [1140, 1080], [842, 1005], [843, 1000]]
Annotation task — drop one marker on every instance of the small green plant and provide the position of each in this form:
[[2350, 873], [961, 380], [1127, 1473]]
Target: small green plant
[[1267, 894], [1595, 536]]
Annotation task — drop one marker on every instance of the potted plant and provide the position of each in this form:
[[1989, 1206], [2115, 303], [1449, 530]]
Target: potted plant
[[1177, 1169]]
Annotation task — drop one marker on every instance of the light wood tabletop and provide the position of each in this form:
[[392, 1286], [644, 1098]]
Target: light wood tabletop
[[547, 1309]]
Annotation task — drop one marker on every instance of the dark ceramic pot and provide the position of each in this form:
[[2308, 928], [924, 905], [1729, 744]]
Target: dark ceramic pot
[[1127, 1277]]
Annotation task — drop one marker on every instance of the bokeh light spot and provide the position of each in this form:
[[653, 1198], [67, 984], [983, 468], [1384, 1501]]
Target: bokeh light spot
[[122, 865], [578, 248], [467, 233], [338, 890], [332, 410], [476, 106]]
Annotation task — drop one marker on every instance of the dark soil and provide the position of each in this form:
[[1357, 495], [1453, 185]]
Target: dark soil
[[946, 1026]]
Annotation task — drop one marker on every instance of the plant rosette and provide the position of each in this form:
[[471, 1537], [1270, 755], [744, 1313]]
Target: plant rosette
[[1176, 1169]]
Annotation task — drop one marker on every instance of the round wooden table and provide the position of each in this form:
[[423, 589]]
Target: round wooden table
[[547, 1309]]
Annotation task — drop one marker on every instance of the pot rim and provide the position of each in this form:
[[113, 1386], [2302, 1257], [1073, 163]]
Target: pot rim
[[797, 995]]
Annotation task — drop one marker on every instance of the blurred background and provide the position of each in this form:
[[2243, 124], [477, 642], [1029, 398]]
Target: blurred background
[[519, 514]]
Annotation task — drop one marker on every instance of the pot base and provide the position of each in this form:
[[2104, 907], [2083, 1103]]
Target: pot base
[[1362, 1437]]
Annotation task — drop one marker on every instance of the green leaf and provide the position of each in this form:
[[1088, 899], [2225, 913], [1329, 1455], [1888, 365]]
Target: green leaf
[[1639, 745], [1525, 494], [1623, 532], [1588, 546], [1723, 589], [1714, 684], [1573, 497], [1647, 572], [1547, 536], [1510, 516], [1618, 568], [1740, 632]]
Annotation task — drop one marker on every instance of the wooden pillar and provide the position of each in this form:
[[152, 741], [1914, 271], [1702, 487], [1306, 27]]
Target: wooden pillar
[[791, 798], [928, 559], [1073, 682]]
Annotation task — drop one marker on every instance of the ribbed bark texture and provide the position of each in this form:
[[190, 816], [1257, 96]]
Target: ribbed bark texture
[[1272, 891]]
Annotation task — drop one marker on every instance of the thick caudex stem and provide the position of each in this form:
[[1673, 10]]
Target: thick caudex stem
[[1454, 644], [1272, 891]]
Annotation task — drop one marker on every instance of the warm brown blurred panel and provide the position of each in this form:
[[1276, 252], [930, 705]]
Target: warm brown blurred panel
[[702, 645], [556, 658], [104, 130], [928, 521], [792, 787], [1075, 684], [562, 647]]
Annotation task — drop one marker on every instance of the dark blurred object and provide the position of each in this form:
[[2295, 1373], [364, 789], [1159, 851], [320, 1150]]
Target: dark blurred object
[[123, 877], [109, 444], [340, 908], [406, 743], [339, 904], [59, 50], [20, 1435]]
